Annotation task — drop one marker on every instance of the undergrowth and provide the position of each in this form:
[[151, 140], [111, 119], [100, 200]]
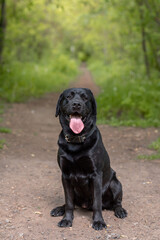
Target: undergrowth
[[5, 130], [22, 80], [154, 146], [127, 97], [2, 142], [1, 111]]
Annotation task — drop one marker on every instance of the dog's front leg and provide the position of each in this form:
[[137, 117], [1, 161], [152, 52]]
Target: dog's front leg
[[69, 203], [98, 222]]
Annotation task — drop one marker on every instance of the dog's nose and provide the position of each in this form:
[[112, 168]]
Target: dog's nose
[[76, 106]]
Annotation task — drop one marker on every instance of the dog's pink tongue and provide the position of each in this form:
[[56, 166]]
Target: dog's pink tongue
[[76, 124]]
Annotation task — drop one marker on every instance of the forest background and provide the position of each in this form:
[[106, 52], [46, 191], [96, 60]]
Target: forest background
[[43, 43]]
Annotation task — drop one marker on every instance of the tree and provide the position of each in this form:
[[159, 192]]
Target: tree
[[2, 26]]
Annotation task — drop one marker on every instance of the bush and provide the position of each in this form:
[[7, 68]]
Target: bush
[[127, 97], [21, 80]]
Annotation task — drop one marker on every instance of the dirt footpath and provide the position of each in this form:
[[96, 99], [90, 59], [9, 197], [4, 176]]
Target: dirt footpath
[[30, 180]]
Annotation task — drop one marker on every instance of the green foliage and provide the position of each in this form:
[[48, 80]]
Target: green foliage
[[155, 146], [35, 59], [5, 130], [128, 97], [150, 157], [2, 142], [23, 80], [119, 40], [1, 109]]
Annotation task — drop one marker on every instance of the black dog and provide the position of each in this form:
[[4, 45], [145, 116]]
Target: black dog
[[88, 180]]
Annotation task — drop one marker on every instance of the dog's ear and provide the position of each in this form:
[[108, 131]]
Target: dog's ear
[[58, 105], [94, 105]]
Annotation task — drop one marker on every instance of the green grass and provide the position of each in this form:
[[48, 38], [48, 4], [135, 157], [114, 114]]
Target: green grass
[[127, 97], [154, 146], [1, 112], [1, 108], [5, 130], [2, 142], [150, 157], [20, 81]]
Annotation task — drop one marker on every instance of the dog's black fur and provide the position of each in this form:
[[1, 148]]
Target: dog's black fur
[[88, 180]]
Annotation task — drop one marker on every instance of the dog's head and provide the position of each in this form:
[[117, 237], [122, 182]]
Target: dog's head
[[76, 108]]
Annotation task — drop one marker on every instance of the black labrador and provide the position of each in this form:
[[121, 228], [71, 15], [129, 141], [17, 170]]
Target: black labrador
[[88, 180]]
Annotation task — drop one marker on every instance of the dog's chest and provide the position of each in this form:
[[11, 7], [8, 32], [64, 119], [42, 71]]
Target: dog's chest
[[80, 168]]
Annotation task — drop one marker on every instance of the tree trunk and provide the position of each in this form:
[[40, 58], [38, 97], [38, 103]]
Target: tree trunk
[[145, 52], [144, 47], [151, 6], [2, 26]]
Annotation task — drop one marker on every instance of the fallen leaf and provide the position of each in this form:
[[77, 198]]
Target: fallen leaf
[[147, 182], [39, 213]]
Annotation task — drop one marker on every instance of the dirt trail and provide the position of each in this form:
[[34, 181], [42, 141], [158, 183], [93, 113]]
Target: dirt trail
[[30, 180], [85, 81]]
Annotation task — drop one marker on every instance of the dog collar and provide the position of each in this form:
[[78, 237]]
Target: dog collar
[[75, 139], [78, 139]]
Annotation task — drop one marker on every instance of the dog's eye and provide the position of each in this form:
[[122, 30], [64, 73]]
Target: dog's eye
[[70, 96], [84, 97]]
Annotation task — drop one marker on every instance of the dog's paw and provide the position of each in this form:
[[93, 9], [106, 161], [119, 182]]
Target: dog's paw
[[99, 225], [120, 212], [65, 223], [58, 211]]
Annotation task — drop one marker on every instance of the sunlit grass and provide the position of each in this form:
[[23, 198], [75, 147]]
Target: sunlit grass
[[20, 81], [2, 142], [127, 97], [5, 130], [155, 145], [1, 108], [150, 157]]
